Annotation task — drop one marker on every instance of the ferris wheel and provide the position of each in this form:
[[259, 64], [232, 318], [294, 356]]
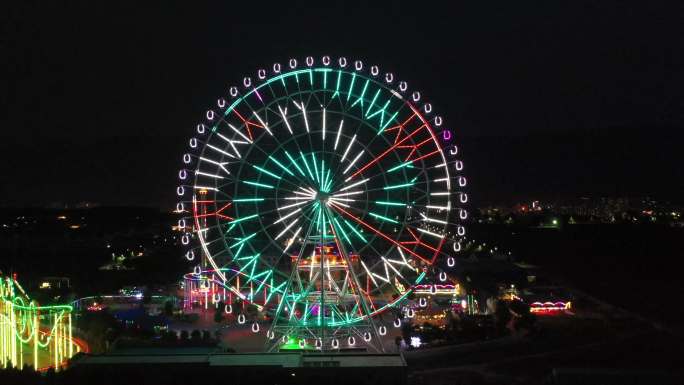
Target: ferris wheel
[[321, 192]]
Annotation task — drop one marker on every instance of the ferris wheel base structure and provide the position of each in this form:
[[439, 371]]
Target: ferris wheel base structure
[[319, 193]]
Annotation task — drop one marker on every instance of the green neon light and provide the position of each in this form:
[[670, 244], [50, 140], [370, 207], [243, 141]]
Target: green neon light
[[307, 165], [243, 219], [243, 240], [386, 203], [363, 92], [372, 103], [257, 184], [313, 157], [248, 200], [380, 111], [267, 172], [405, 164], [382, 217], [400, 185], [358, 234], [341, 230], [351, 85], [280, 165], [383, 127], [337, 86], [295, 164]]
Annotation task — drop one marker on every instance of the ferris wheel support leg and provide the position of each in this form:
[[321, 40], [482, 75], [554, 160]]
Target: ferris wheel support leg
[[379, 346], [272, 345]]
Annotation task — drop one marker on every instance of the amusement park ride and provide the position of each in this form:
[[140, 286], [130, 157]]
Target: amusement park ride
[[33, 335], [322, 193]]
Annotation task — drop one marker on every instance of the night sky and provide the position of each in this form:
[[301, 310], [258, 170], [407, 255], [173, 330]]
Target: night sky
[[550, 99]]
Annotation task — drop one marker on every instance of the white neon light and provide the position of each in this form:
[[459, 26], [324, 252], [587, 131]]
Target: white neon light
[[440, 193], [348, 193], [205, 188], [333, 200], [348, 147], [428, 219], [221, 151], [343, 199], [286, 216], [352, 163], [220, 164], [354, 184], [262, 122], [369, 273], [447, 208], [209, 175], [324, 124], [303, 109], [239, 133], [292, 240], [232, 143], [301, 193], [339, 131], [287, 228], [283, 113], [430, 233], [292, 205]]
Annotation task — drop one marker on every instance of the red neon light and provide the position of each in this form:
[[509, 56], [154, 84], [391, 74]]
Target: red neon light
[[377, 158], [373, 229]]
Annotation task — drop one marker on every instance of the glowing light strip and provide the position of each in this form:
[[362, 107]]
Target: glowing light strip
[[287, 216], [440, 193], [292, 205], [398, 186], [284, 115], [430, 233], [386, 203], [405, 164], [240, 133], [324, 124], [339, 131], [205, 188], [353, 162], [382, 217], [427, 219], [348, 193], [248, 200], [262, 122], [295, 164], [348, 147], [221, 165], [243, 219], [287, 170], [221, 151], [303, 109], [209, 175], [354, 184], [286, 228], [266, 172], [257, 184]]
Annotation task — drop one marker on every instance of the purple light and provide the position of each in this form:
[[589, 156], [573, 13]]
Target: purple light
[[446, 135], [258, 96]]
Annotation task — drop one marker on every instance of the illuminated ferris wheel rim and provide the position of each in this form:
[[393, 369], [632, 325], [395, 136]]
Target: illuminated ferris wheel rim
[[253, 90]]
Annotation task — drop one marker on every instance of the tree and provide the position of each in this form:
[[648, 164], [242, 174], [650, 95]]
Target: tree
[[184, 335], [195, 335]]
